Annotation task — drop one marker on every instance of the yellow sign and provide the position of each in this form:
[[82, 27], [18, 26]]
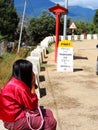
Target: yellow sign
[[65, 43], [65, 56]]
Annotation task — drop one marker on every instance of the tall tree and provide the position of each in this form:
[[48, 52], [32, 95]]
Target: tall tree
[[41, 27], [96, 18], [8, 19]]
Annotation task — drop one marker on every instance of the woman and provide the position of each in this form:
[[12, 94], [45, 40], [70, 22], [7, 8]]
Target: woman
[[19, 102]]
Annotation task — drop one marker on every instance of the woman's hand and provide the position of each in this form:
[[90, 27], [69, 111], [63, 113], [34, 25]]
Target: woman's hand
[[33, 83]]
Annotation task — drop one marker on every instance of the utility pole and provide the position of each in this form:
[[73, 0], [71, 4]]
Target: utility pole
[[65, 21], [21, 27]]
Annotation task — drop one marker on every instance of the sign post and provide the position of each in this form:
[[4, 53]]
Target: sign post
[[73, 27], [57, 10], [65, 56]]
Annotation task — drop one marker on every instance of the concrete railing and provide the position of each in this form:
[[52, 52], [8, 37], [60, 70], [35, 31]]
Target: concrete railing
[[37, 55], [82, 37]]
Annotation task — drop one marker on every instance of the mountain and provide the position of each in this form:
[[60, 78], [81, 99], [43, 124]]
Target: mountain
[[78, 13], [35, 8]]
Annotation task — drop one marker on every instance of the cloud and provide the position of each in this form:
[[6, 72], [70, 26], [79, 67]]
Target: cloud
[[93, 4]]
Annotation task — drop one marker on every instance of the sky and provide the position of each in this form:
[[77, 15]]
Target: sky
[[93, 4]]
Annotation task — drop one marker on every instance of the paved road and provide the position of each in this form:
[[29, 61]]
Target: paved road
[[73, 96]]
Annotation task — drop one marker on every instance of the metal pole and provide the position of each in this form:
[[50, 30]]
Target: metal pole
[[65, 21], [21, 27], [57, 34]]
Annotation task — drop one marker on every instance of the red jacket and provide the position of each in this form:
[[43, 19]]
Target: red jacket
[[15, 98]]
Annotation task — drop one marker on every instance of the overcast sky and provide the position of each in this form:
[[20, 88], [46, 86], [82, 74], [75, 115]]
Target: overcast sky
[[93, 4]]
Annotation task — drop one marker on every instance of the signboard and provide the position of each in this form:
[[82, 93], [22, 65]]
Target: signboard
[[73, 26], [65, 56]]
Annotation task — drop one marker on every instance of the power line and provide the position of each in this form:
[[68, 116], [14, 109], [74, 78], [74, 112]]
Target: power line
[[21, 26], [65, 21]]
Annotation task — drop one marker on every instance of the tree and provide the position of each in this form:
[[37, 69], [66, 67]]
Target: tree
[[8, 19], [91, 29], [41, 27], [95, 20]]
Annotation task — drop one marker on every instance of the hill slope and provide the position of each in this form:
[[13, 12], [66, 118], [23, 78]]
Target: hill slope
[[79, 13], [35, 8]]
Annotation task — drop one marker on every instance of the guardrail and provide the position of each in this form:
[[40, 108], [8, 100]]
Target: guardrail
[[36, 58], [37, 55], [81, 37]]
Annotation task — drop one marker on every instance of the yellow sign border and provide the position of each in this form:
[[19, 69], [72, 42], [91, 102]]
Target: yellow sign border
[[65, 44]]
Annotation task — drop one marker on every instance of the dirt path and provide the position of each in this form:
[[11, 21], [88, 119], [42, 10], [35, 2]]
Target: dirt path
[[73, 96]]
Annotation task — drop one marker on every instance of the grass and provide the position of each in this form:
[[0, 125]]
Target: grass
[[46, 65], [6, 62], [49, 49]]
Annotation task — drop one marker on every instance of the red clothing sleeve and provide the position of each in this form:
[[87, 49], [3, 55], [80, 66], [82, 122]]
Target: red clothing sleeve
[[15, 98], [26, 99]]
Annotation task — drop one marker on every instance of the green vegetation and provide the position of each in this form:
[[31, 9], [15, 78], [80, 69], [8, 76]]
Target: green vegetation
[[6, 62], [49, 49], [41, 27], [44, 26], [96, 21], [8, 19], [1, 37], [38, 28]]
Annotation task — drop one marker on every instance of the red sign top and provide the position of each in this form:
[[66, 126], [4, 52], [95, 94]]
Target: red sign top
[[58, 9]]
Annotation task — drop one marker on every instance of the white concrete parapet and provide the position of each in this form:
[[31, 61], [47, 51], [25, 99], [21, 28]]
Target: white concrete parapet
[[61, 37], [82, 37], [95, 36], [35, 62], [76, 37], [89, 36], [45, 42], [42, 50], [36, 70], [37, 54], [69, 37]]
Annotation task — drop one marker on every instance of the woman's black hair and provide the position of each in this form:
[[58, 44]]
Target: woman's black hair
[[22, 70]]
